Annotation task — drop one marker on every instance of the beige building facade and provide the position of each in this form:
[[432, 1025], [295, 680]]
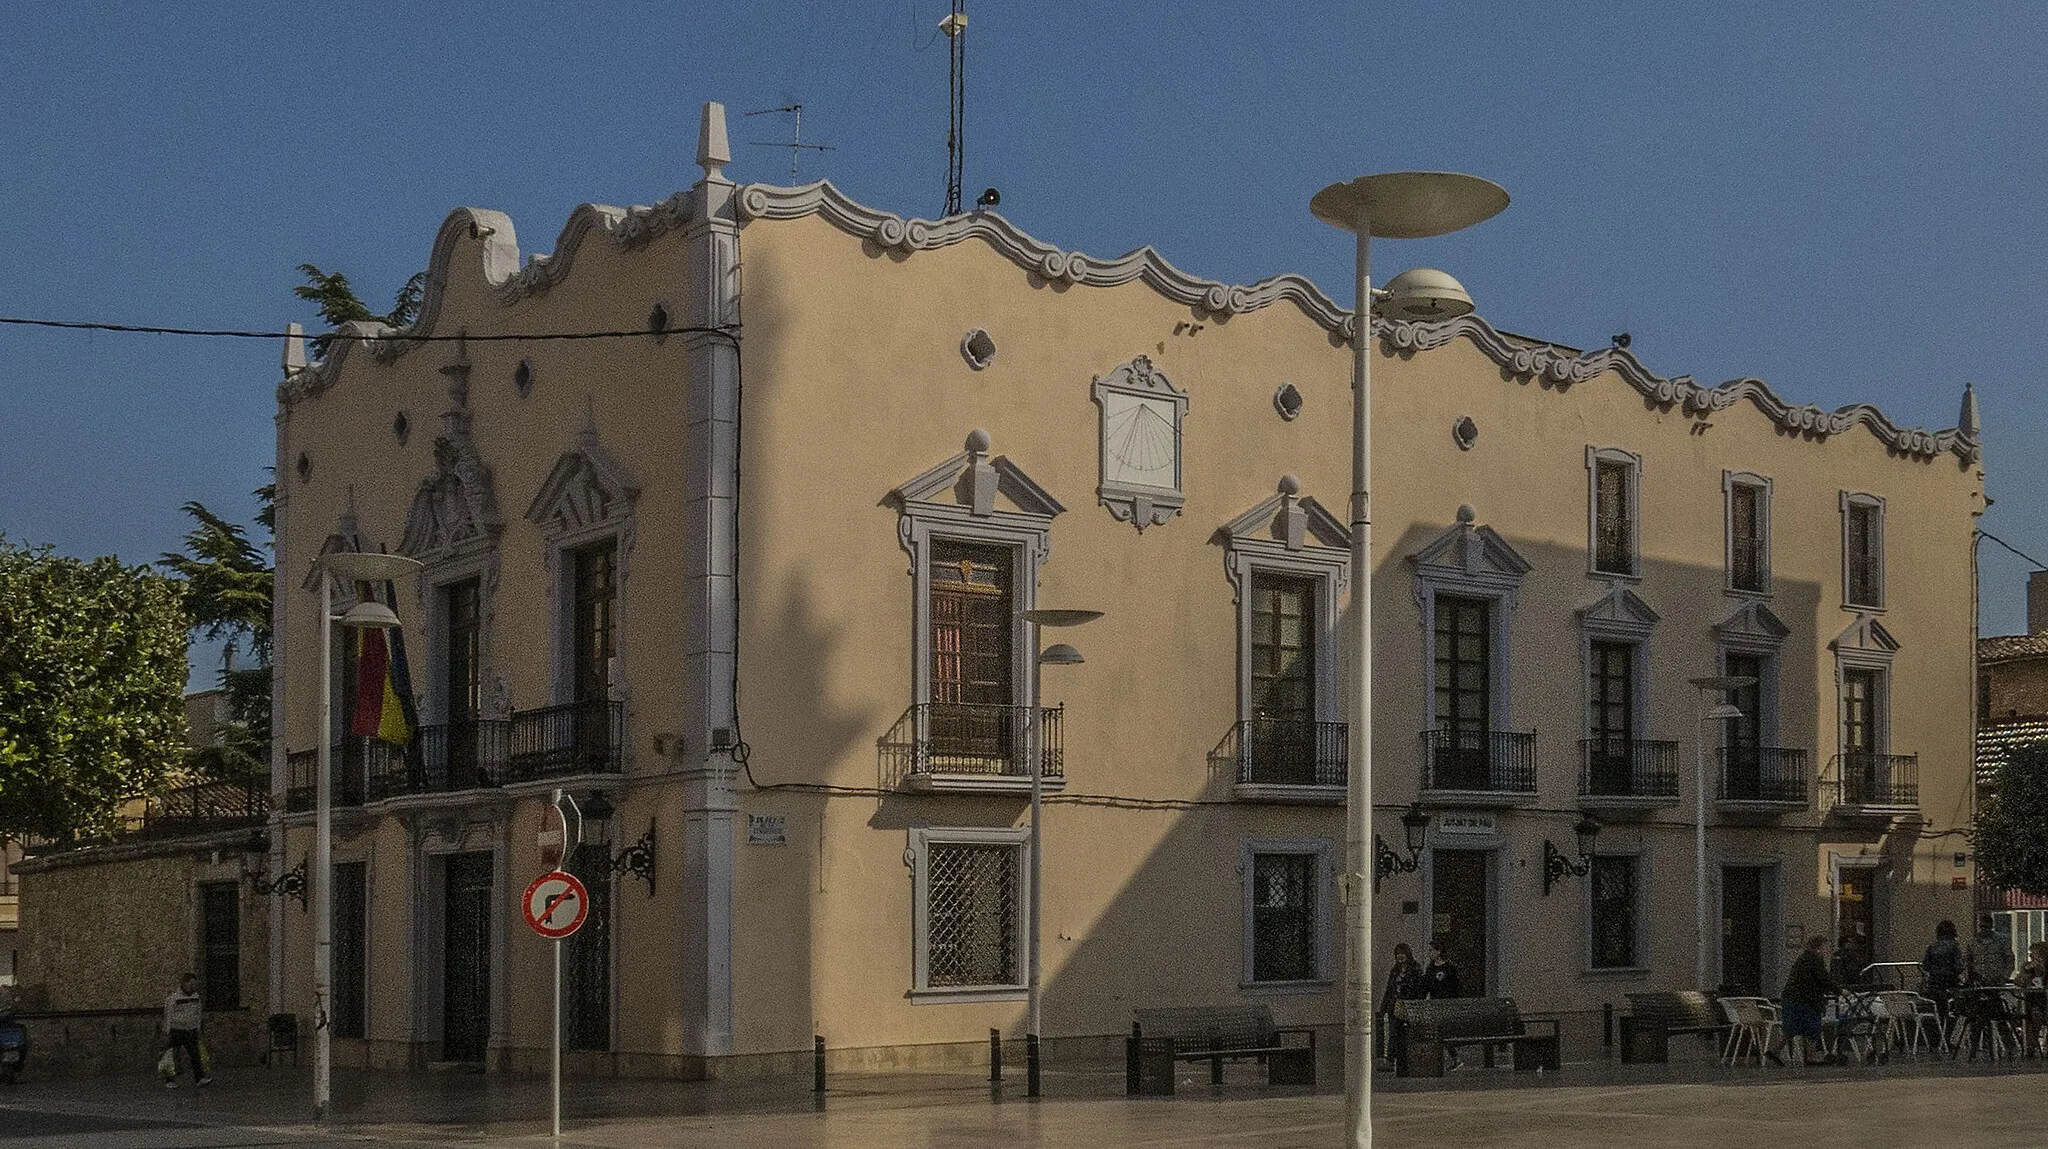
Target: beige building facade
[[749, 579]]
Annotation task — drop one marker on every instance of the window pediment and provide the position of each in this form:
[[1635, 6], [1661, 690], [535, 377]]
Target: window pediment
[[455, 507], [586, 488], [1751, 626], [1620, 612], [974, 482], [1471, 553], [1865, 642], [1289, 518]]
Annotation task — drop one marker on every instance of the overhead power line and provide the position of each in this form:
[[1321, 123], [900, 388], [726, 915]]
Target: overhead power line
[[730, 331], [2038, 564]]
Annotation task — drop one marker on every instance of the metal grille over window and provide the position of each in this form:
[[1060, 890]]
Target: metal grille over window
[[973, 716], [1746, 537], [971, 914], [1614, 912], [1863, 555], [1283, 917], [1613, 552]]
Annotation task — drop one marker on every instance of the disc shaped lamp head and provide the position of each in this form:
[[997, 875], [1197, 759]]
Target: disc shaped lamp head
[[1060, 654], [1409, 205], [370, 614]]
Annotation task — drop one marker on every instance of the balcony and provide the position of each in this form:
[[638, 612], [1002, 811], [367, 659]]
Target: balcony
[[972, 747], [445, 759], [1286, 760], [222, 804], [1872, 785], [1478, 767], [1617, 775], [352, 762], [1761, 781], [564, 741]]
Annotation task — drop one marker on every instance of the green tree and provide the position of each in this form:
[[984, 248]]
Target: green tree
[[92, 676], [336, 299], [227, 583], [2011, 833]]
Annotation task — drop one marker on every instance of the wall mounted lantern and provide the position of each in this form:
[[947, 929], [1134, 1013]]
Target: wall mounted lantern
[[290, 884], [1386, 861], [636, 860], [1557, 867]]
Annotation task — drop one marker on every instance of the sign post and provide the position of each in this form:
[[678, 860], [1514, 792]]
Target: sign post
[[555, 905]]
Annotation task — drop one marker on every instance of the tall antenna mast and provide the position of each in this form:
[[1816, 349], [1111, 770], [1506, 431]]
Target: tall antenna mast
[[796, 145], [955, 28]]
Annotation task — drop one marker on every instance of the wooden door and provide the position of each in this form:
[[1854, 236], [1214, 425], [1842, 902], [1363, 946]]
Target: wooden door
[[1742, 930], [1460, 894], [466, 959]]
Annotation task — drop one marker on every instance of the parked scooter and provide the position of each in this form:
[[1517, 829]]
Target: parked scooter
[[13, 1046]]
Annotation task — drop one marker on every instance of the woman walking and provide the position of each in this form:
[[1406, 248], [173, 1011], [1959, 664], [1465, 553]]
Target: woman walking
[[1404, 983], [1804, 1000]]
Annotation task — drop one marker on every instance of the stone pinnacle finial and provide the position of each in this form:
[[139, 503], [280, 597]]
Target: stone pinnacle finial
[[1967, 422], [714, 150], [294, 349]]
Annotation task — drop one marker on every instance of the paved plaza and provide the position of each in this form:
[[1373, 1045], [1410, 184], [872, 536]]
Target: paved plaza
[[1696, 1104]]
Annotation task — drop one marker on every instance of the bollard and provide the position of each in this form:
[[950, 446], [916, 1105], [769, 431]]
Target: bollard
[[995, 1056], [1030, 1065], [817, 1064]]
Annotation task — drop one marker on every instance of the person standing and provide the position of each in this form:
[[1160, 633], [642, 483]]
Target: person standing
[[1440, 980], [2033, 979], [1804, 1000], [181, 1020], [1942, 969], [1404, 983], [1987, 963]]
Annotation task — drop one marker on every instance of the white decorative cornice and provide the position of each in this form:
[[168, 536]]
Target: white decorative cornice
[[1620, 610], [586, 487], [1289, 518], [1865, 635], [1523, 357], [509, 283], [973, 479], [1752, 626], [1470, 551]]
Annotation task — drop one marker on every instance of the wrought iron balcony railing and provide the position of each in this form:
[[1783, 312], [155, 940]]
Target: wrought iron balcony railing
[[1763, 774], [352, 762], [1627, 768], [1288, 752], [574, 738], [444, 758], [970, 738], [1479, 761], [1872, 780]]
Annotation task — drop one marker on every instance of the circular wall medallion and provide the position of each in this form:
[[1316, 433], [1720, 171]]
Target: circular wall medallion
[[1287, 401], [1465, 432]]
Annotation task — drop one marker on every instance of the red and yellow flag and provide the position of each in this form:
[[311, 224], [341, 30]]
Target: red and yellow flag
[[382, 709]]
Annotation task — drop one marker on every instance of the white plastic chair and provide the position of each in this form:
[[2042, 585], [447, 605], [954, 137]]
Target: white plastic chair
[[1752, 1021]]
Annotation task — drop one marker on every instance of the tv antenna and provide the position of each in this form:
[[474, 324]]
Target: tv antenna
[[955, 28], [796, 144]]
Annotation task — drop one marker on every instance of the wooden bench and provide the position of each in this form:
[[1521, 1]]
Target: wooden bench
[[1437, 1025], [1161, 1037], [1654, 1017]]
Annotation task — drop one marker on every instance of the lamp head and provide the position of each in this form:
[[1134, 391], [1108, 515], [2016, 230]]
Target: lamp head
[[1588, 831], [1424, 294], [1414, 824], [1060, 654], [1725, 710], [370, 615]]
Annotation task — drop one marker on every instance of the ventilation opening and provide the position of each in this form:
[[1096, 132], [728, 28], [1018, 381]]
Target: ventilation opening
[[304, 467], [657, 321], [401, 427], [979, 349], [1287, 401], [522, 377]]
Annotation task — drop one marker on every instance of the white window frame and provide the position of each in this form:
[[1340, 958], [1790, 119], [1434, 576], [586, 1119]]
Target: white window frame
[[1633, 463], [922, 838], [1861, 499], [1766, 689], [1762, 484], [1321, 849], [1026, 540], [1630, 633], [1326, 570], [562, 591], [434, 584], [1642, 935], [1880, 703]]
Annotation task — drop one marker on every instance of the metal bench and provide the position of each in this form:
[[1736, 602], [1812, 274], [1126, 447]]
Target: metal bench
[[1161, 1037], [1436, 1025], [1654, 1017]]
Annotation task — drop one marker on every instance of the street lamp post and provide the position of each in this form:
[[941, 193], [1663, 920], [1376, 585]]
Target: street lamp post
[[348, 566], [1060, 654], [1394, 205], [1710, 713]]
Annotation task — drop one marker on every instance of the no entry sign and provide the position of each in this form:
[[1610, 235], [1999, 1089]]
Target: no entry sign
[[556, 904]]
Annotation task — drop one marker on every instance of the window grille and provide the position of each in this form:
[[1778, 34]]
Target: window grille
[[972, 897], [1746, 536], [1614, 534], [1283, 917], [1864, 588], [1614, 912]]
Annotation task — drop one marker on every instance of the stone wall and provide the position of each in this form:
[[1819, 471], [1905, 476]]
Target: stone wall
[[99, 1043]]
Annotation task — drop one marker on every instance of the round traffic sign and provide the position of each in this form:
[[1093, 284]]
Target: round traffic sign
[[556, 904]]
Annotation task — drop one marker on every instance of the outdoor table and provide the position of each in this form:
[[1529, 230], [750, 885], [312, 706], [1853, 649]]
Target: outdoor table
[[1984, 1005]]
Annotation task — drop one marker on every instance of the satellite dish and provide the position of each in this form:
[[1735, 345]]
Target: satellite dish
[[989, 198]]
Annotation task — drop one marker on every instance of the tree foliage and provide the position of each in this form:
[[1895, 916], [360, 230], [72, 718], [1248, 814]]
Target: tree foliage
[[227, 585], [336, 299], [2011, 833], [92, 677]]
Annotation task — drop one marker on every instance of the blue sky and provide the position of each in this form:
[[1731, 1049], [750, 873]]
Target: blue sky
[[1845, 201]]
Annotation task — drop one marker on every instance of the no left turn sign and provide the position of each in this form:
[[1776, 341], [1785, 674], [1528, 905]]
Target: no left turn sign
[[556, 904]]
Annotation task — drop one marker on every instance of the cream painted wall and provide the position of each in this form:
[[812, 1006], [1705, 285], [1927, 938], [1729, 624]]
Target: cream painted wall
[[854, 383]]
